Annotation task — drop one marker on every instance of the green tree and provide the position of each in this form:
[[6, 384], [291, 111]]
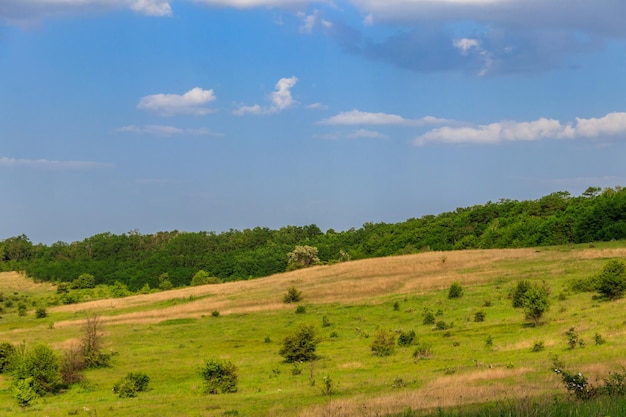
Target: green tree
[[39, 363], [302, 257], [84, 281], [536, 303], [300, 346], [612, 280], [200, 278], [455, 291]]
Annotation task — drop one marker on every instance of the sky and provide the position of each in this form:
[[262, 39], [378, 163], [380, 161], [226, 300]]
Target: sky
[[210, 115]]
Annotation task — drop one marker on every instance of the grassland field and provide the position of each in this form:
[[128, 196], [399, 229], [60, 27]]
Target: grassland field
[[168, 335]]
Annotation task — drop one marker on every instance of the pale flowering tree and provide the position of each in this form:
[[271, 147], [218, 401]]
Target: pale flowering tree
[[302, 257]]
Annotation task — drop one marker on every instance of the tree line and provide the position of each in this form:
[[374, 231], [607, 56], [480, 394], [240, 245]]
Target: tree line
[[136, 259]]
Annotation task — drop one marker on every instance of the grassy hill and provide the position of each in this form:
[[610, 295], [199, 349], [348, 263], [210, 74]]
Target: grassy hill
[[168, 335]]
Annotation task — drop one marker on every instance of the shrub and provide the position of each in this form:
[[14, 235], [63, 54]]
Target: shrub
[[24, 392], [21, 309], [41, 313], [292, 296], [612, 280], [131, 384], [200, 278], [572, 339], [7, 350], [519, 292], [300, 346], [40, 364], [429, 317], [538, 346], [302, 257], [455, 291], [91, 344], [219, 376], [615, 384], [422, 351], [577, 384], [300, 309], [442, 325], [72, 365], [215, 313], [479, 316], [396, 306], [406, 338], [384, 343], [84, 281], [536, 303], [598, 339], [325, 322]]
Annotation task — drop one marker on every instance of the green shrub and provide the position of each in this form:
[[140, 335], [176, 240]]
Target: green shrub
[[215, 313], [612, 280], [429, 317], [406, 338], [21, 309], [300, 309], [479, 316], [422, 351], [384, 343], [455, 291], [536, 303], [200, 278], [518, 293], [615, 384], [598, 339], [292, 296], [396, 306], [300, 346], [538, 346], [7, 350], [41, 364], [131, 384], [84, 281], [24, 392], [72, 365], [41, 313], [325, 321], [577, 384], [219, 376]]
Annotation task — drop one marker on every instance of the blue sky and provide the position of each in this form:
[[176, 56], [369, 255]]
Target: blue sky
[[151, 115]]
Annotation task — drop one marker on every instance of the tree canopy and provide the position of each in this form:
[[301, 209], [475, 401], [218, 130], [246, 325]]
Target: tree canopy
[[173, 258]]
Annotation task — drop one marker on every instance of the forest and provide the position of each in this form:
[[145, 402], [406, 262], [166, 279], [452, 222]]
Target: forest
[[146, 260]]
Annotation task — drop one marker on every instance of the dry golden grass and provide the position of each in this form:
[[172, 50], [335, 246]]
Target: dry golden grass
[[479, 386], [16, 282], [357, 281]]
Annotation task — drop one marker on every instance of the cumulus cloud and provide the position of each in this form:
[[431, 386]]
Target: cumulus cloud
[[164, 130], [512, 131], [357, 117], [47, 164], [357, 134], [280, 99], [192, 102]]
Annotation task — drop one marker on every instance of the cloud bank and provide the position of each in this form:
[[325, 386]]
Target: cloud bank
[[357, 117], [511, 131]]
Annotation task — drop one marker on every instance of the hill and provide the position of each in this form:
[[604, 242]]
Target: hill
[[169, 334]]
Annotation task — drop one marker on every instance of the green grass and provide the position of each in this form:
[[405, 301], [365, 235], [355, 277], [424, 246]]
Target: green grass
[[171, 352]]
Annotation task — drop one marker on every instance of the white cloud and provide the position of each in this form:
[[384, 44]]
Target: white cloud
[[192, 102], [317, 106], [357, 134], [511, 131], [46, 164], [466, 44], [247, 4], [21, 11], [280, 98], [163, 130], [357, 117]]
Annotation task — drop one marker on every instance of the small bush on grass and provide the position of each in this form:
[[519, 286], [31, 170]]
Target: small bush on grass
[[131, 384], [41, 313], [612, 280], [455, 291], [615, 384], [576, 384], [384, 343], [219, 376], [538, 346], [406, 338], [422, 351], [479, 316], [6, 351], [300, 309], [429, 317], [517, 295], [300, 346], [292, 296]]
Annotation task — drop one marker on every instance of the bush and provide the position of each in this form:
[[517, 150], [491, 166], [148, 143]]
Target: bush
[[455, 291], [577, 384], [300, 346], [615, 384], [325, 322], [131, 384], [219, 376], [422, 351], [91, 344], [24, 392], [519, 292], [536, 303], [41, 364], [384, 343], [300, 309], [429, 317], [538, 346], [479, 316], [72, 365], [292, 296], [41, 313], [7, 350], [84, 281], [612, 280], [406, 338], [215, 313]]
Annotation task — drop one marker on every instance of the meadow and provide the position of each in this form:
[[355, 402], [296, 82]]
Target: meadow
[[168, 335]]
